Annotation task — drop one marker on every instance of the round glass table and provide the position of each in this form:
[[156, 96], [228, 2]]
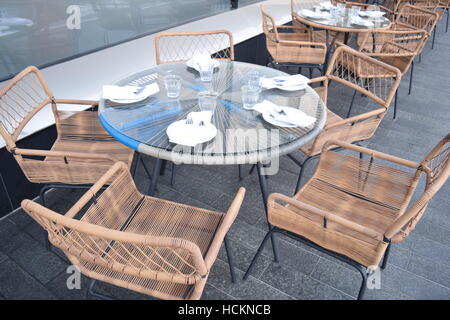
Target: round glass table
[[243, 137]]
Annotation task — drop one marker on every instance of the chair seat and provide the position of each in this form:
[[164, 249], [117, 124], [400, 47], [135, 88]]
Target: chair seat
[[79, 132], [293, 53], [155, 217], [369, 194], [401, 63]]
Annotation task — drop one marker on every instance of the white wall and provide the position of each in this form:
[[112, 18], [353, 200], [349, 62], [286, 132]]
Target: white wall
[[82, 78]]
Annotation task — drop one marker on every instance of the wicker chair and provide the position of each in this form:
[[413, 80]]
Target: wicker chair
[[83, 150], [174, 47], [354, 209], [152, 246], [291, 48], [398, 48], [372, 78]]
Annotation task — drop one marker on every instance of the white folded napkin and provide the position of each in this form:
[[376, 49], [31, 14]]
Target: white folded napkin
[[131, 93], [190, 134], [361, 22], [284, 81], [372, 14], [314, 14], [285, 114], [327, 5], [198, 117]]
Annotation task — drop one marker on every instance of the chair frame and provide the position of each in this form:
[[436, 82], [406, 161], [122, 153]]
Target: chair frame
[[378, 113], [279, 43], [404, 224], [161, 35], [57, 223]]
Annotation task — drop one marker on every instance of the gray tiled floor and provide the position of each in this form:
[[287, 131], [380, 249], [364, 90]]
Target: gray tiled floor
[[418, 269]]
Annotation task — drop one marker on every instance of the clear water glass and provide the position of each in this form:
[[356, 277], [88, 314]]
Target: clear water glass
[[254, 79], [206, 72], [172, 83], [355, 11], [250, 96], [207, 101]]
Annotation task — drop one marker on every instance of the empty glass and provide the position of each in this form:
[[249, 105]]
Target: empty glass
[[172, 83], [355, 11], [207, 100], [206, 71], [254, 79], [250, 96]]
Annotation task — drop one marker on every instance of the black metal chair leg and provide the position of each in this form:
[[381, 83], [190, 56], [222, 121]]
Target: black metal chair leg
[[311, 73], [90, 292], [230, 259], [434, 38], [156, 169], [48, 245], [258, 253], [252, 169], [395, 105], [351, 104], [411, 78], [363, 287], [302, 168], [240, 172], [386, 257], [172, 175], [448, 16], [163, 167]]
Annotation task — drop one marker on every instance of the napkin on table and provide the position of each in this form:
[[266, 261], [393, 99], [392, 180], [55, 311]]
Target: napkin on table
[[284, 81], [295, 117], [128, 92]]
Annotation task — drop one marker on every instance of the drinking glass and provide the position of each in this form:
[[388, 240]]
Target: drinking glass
[[206, 71], [172, 83], [254, 79], [207, 100], [250, 96]]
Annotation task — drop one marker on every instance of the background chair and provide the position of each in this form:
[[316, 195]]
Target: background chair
[[83, 150], [174, 47], [373, 79], [397, 48], [354, 209], [288, 46], [152, 246]]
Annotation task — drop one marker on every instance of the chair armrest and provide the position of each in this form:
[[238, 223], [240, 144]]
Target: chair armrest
[[73, 101], [325, 215], [225, 225], [375, 154], [60, 154], [304, 43], [356, 118], [319, 79]]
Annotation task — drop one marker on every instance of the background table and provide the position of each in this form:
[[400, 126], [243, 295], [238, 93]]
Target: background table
[[341, 24]]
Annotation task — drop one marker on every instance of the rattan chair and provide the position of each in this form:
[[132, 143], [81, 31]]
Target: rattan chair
[[354, 209], [83, 150], [398, 48], [287, 46], [174, 47], [418, 18], [373, 79], [153, 246]]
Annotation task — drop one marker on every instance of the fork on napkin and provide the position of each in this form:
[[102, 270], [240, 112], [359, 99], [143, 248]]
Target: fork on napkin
[[285, 114], [296, 80], [131, 93]]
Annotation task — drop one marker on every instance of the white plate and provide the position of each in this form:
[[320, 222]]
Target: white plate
[[372, 14], [149, 90], [270, 119], [190, 134], [123, 101], [315, 15], [190, 64]]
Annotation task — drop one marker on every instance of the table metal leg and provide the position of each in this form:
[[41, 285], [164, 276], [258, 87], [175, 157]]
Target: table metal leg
[[330, 47], [155, 175], [265, 195]]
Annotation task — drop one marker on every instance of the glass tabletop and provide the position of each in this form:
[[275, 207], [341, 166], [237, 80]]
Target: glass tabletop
[[243, 136], [346, 20]]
